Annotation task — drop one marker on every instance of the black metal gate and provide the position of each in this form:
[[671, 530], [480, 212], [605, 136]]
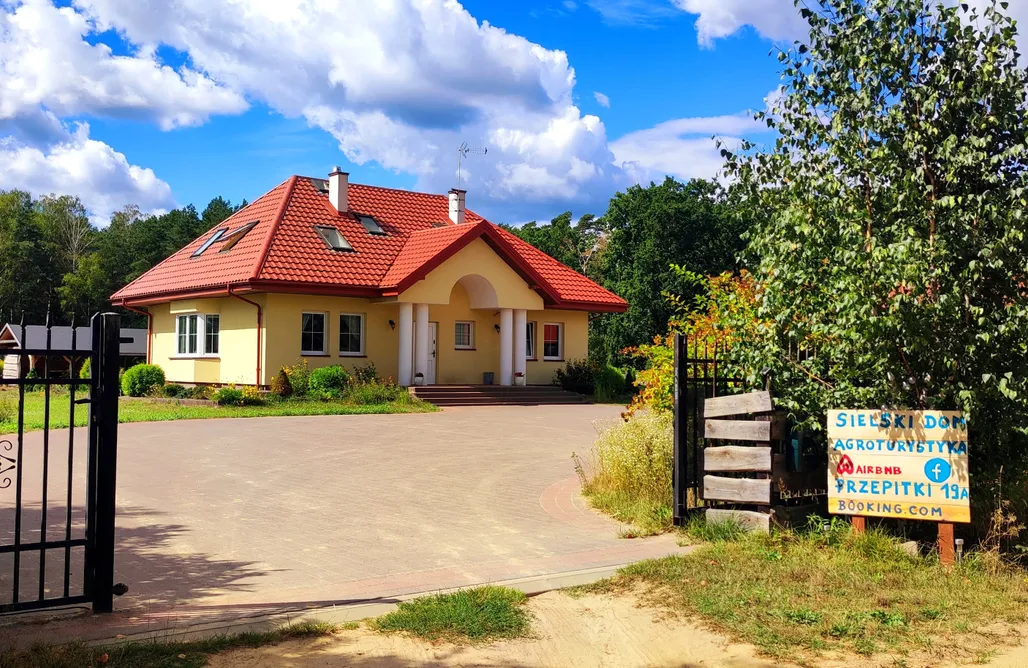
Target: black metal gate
[[57, 495], [699, 374]]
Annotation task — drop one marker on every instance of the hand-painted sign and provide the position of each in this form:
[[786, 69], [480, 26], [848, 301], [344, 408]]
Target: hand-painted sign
[[909, 464]]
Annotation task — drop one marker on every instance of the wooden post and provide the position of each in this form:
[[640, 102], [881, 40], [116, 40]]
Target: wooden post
[[946, 543], [859, 524]]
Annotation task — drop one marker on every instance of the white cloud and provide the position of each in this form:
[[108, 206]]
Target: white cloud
[[399, 82], [570, 5], [683, 148], [44, 61], [774, 19], [77, 165], [602, 99]]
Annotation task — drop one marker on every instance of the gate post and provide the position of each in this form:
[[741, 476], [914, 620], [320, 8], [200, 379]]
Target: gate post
[[106, 433], [681, 451]]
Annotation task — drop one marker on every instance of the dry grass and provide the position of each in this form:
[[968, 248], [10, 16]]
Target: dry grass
[[629, 474], [799, 595]]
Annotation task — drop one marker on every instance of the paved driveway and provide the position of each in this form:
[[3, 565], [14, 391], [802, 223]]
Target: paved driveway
[[235, 517]]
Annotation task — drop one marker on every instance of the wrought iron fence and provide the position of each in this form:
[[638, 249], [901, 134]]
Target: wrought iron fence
[[57, 494]]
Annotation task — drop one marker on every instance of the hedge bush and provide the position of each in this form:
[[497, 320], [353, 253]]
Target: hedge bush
[[280, 384], [84, 371], [578, 375], [329, 380], [228, 396], [174, 390], [142, 379], [299, 377]]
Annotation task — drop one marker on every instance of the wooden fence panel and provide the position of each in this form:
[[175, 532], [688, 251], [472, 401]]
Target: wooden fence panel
[[737, 490], [737, 404], [737, 458]]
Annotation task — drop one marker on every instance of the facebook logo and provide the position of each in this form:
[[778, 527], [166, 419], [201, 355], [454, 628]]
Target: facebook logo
[[937, 470]]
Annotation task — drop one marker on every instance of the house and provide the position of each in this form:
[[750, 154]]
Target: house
[[34, 337], [341, 273]]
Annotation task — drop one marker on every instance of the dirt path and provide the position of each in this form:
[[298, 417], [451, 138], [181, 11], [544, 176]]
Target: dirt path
[[567, 632]]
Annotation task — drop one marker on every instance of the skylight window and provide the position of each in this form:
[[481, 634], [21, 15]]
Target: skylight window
[[207, 244], [333, 237], [371, 225], [233, 237]]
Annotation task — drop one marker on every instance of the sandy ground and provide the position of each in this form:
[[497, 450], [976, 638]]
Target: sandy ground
[[587, 631], [598, 630]]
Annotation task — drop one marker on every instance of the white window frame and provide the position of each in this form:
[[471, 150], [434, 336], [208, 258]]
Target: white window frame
[[358, 353], [531, 340], [560, 342], [324, 332], [206, 352], [201, 335], [471, 335]]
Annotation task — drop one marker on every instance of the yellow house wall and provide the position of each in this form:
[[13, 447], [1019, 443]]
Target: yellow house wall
[[283, 315], [462, 366], [479, 259], [237, 360], [576, 342]]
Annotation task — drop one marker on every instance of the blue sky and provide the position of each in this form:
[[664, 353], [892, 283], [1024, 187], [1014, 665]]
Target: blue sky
[[126, 102]]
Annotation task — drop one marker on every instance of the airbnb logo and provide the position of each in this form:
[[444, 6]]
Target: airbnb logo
[[845, 466]]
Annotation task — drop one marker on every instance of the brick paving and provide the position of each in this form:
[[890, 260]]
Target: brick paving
[[222, 519]]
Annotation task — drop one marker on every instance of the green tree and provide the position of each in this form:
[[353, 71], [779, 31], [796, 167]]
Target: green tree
[[891, 227], [652, 229], [27, 274], [576, 246], [217, 210]]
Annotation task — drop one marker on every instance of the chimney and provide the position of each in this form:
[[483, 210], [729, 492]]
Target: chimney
[[457, 205], [338, 189]]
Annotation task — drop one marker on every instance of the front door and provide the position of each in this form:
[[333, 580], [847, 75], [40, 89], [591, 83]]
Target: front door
[[433, 331]]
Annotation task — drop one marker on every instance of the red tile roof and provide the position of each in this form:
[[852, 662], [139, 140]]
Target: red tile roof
[[283, 251]]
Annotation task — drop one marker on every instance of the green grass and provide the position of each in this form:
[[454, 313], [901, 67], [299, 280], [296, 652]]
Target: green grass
[[192, 654], [628, 473], [795, 596], [156, 411], [470, 615]]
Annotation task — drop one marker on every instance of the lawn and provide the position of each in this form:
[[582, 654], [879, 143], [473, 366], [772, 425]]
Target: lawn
[[799, 595], [469, 615], [155, 411]]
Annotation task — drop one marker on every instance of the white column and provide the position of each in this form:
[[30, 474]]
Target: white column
[[520, 342], [421, 340], [506, 341], [406, 352]]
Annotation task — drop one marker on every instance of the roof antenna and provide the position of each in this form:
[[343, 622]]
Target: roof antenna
[[462, 152]]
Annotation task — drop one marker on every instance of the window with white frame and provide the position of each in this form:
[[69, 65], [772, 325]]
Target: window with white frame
[[211, 334], [197, 335], [463, 335], [553, 341], [351, 333], [530, 340], [313, 333]]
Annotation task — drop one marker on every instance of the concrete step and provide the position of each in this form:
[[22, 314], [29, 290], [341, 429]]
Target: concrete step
[[496, 395]]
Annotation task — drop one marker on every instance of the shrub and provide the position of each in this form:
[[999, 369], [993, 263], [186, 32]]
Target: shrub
[[373, 393], [632, 476], [142, 379], [31, 387], [84, 371], [228, 396], [331, 380], [252, 396], [365, 373], [280, 385], [577, 376], [199, 392], [174, 390], [299, 377], [610, 383]]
